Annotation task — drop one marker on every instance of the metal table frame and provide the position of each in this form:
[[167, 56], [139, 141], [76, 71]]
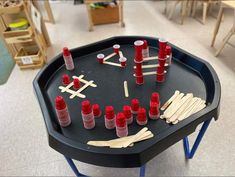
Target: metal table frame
[[188, 153]]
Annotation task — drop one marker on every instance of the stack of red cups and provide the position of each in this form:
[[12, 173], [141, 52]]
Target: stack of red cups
[[154, 112], [160, 77], [138, 62]]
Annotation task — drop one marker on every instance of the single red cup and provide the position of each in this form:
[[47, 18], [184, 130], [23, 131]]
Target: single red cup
[[154, 111], [96, 110], [86, 107], [160, 69], [162, 61], [123, 60], [139, 80], [160, 77], [141, 118], [100, 58], [76, 83], [135, 105], [66, 79], [116, 48]]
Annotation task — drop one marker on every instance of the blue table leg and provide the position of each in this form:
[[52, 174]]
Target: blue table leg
[[142, 171], [73, 166], [190, 153]]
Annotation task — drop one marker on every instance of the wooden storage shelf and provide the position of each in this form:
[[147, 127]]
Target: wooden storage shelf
[[12, 9], [18, 36], [33, 59], [105, 15]]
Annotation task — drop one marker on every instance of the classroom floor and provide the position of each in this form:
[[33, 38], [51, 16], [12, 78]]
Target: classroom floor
[[24, 149]]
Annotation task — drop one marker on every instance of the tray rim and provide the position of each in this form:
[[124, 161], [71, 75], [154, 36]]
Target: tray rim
[[55, 136]]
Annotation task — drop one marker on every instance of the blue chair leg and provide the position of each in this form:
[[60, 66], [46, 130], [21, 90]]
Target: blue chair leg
[[190, 153], [142, 171], [73, 167]]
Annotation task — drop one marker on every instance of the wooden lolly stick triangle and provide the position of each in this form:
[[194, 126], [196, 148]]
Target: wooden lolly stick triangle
[[110, 56], [181, 109], [177, 92]]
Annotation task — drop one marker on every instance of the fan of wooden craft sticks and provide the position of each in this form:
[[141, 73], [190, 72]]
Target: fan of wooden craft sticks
[[180, 106], [124, 142]]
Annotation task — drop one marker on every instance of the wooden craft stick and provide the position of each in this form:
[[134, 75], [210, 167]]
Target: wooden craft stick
[[196, 101], [177, 92], [177, 106], [151, 58], [77, 93], [110, 56], [180, 110], [118, 143], [173, 104], [136, 137], [84, 81], [113, 64], [73, 92], [151, 66], [150, 73], [126, 89], [120, 54]]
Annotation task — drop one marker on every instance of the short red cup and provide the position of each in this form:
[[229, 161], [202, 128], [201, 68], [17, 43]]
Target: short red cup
[[160, 77]]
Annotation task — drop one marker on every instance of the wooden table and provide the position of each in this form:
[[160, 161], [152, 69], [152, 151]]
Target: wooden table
[[224, 4]]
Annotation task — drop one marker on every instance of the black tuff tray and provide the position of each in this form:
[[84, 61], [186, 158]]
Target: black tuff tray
[[188, 74]]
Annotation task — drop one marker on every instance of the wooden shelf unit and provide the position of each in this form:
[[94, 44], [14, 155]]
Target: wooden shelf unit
[[18, 41], [106, 15]]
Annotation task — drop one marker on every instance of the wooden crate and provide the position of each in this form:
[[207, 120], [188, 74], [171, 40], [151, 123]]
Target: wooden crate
[[18, 36], [105, 15], [12, 10], [34, 59]]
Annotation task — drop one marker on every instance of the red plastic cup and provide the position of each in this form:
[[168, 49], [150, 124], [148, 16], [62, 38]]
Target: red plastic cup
[[123, 60], [96, 110], [139, 80], [121, 125], [155, 98], [76, 83], [162, 44], [145, 45], [86, 107], [160, 77], [109, 117], [138, 50], [162, 61], [128, 114], [154, 111], [168, 50], [160, 69], [116, 48], [141, 118], [66, 79], [135, 105], [100, 58]]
